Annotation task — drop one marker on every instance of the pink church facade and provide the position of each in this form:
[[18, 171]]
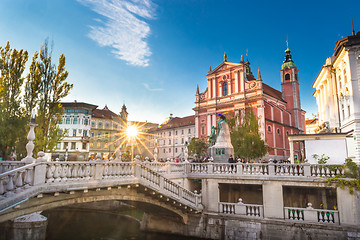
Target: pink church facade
[[231, 87]]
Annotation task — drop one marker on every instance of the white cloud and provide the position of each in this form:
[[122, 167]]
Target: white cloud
[[124, 28], [152, 89]]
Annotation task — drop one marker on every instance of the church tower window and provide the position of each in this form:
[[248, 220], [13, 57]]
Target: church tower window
[[225, 89], [287, 77]]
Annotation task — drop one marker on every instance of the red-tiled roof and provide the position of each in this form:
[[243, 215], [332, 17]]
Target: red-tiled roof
[[104, 113], [178, 122], [311, 121], [272, 92]]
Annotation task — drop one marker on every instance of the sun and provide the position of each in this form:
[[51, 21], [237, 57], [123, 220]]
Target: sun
[[132, 131]]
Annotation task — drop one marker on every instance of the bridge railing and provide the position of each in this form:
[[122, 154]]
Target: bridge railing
[[247, 169], [241, 209], [167, 187], [6, 166], [17, 179], [311, 215]]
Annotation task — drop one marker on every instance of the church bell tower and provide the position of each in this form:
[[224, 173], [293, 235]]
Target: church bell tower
[[290, 89]]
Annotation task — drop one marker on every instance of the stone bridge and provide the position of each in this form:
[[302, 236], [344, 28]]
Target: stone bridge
[[39, 186], [220, 209]]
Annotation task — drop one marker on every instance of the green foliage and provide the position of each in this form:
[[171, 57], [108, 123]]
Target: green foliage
[[12, 121], [48, 87], [351, 171], [198, 146], [245, 138], [42, 90], [321, 159]]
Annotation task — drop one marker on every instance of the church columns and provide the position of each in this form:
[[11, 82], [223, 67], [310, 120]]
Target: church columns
[[291, 143], [208, 125], [214, 120], [236, 81]]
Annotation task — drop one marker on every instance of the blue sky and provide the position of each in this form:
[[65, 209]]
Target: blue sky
[[152, 54]]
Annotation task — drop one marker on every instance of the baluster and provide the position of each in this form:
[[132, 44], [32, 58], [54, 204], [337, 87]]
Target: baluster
[[2, 187], [57, 173], [318, 172], [74, 173], [28, 177], [50, 173], [87, 172], [10, 183], [69, 171], [63, 172], [19, 181]]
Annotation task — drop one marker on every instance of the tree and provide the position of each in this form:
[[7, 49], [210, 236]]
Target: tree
[[198, 146], [12, 121], [245, 137], [45, 87]]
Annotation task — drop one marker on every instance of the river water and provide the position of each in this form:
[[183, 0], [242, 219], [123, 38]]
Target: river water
[[77, 224]]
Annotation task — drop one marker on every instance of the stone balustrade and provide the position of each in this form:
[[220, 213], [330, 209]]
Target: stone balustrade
[[311, 215], [6, 166], [167, 187], [16, 180], [247, 169], [67, 173], [241, 209]]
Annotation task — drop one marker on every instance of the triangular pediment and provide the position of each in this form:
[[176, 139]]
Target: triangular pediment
[[223, 66]]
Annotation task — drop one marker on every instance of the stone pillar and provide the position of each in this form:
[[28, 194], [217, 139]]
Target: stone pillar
[[348, 206], [210, 194], [273, 200], [31, 226]]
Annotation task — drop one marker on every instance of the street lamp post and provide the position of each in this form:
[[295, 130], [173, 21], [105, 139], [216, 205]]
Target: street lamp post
[[66, 153]]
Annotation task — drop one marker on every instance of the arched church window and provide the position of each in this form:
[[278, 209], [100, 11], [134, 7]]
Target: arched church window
[[269, 129], [225, 89], [287, 76]]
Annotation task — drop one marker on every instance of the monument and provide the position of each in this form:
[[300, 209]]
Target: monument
[[221, 148]]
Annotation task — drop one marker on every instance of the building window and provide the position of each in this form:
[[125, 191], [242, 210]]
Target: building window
[[182, 141], [91, 145], [175, 132], [225, 89], [169, 150], [345, 77], [296, 77], [92, 134], [107, 125], [93, 124], [73, 145], [86, 121], [100, 124], [340, 84], [74, 132], [175, 150], [115, 126], [84, 146], [58, 145], [169, 141], [202, 130], [278, 131], [182, 131], [169, 133], [75, 121], [189, 131], [85, 133], [343, 111], [287, 76], [67, 121], [66, 145], [348, 110], [164, 150], [269, 128], [287, 133], [98, 144]]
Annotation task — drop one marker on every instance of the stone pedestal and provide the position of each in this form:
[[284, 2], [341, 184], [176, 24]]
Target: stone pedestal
[[31, 226], [223, 148]]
